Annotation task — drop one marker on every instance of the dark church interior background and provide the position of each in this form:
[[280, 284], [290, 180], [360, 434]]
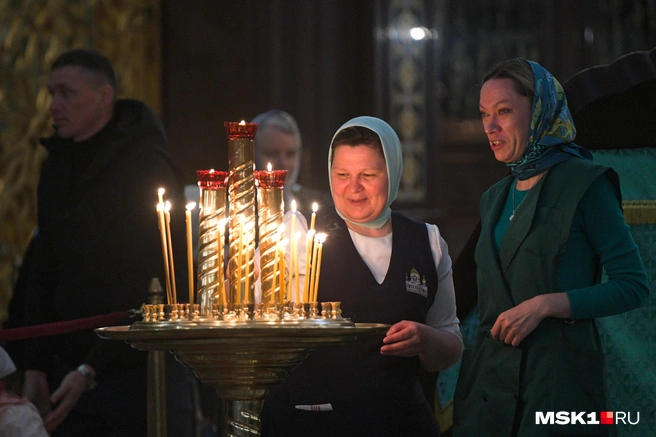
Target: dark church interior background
[[414, 63]]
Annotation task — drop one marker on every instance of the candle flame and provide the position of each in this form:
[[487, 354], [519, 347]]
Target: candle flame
[[191, 205], [168, 206], [315, 207], [294, 206], [321, 237], [242, 123], [269, 168], [161, 191]]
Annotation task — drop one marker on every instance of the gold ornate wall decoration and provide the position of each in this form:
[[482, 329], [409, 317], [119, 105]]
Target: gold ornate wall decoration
[[639, 212], [407, 87], [32, 34]]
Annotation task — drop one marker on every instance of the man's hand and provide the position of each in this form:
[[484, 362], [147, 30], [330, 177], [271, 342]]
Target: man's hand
[[68, 393]]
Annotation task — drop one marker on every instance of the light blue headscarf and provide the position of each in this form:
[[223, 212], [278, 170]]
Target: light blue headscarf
[[393, 160], [552, 128]]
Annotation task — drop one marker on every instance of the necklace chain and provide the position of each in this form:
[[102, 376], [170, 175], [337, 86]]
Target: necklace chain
[[512, 216], [514, 188]]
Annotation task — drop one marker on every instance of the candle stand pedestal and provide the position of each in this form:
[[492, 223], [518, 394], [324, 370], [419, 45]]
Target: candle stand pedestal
[[241, 359]]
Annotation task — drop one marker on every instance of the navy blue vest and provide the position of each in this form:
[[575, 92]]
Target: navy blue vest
[[370, 394]]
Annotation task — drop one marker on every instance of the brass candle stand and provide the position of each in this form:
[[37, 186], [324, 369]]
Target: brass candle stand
[[239, 347], [241, 350]]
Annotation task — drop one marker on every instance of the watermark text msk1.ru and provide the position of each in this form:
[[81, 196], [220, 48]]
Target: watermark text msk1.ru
[[585, 418]]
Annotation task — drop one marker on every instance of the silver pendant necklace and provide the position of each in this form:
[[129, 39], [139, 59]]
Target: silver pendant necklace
[[514, 188], [512, 216]]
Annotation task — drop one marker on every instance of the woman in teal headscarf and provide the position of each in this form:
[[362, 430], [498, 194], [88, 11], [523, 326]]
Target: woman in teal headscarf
[[547, 231], [384, 268]]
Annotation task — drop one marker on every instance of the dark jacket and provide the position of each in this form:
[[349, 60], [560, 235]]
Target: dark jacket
[[99, 243]]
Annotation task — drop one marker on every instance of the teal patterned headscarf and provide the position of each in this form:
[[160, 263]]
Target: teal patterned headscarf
[[551, 131], [393, 159]]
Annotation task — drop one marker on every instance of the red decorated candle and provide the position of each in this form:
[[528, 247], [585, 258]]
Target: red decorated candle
[[270, 178], [240, 130], [212, 179]]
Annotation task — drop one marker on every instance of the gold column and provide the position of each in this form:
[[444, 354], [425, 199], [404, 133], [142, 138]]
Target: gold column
[[270, 212], [241, 210], [211, 238]]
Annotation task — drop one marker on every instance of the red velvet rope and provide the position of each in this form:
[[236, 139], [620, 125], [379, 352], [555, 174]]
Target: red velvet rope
[[65, 326]]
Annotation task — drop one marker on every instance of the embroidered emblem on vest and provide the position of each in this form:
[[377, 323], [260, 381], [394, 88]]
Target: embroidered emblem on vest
[[415, 284]]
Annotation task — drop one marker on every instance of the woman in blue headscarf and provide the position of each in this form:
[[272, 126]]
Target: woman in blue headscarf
[[547, 232], [384, 268]]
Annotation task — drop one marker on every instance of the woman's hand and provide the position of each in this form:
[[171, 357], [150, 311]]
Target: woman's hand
[[403, 339], [436, 349], [517, 323]]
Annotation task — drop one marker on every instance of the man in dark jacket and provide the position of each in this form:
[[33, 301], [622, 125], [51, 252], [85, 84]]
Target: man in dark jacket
[[97, 250]]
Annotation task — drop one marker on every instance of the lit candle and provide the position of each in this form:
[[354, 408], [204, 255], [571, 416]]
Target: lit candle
[[190, 251], [165, 250], [240, 252], [283, 284], [221, 266], [309, 239], [167, 213], [247, 262], [275, 271], [313, 273], [280, 263], [296, 275], [315, 207], [315, 292], [293, 259]]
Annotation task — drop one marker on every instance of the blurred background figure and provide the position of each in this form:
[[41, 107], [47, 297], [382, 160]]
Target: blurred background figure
[[278, 142], [96, 252]]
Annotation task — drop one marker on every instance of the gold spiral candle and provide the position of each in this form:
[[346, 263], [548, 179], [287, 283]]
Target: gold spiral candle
[[211, 233], [241, 209], [270, 212]]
